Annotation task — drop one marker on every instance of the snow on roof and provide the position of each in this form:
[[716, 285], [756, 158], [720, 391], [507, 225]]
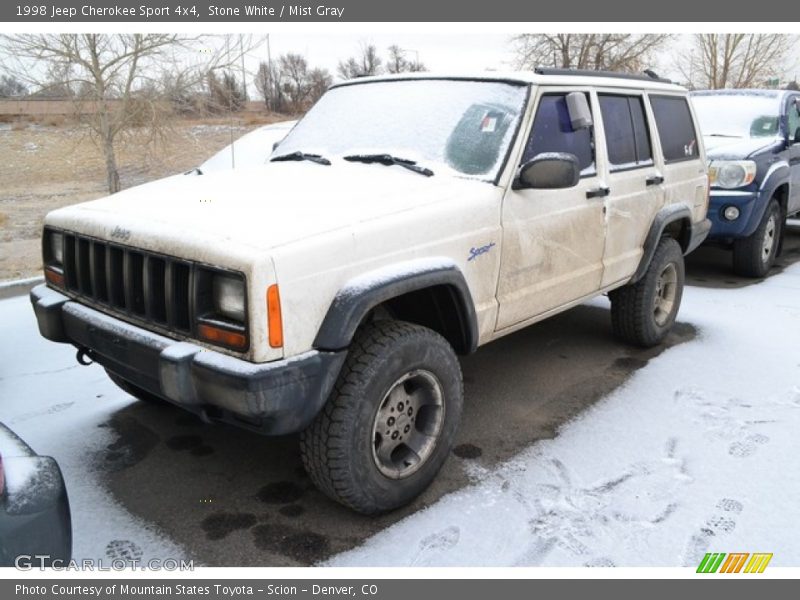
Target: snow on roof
[[527, 78]]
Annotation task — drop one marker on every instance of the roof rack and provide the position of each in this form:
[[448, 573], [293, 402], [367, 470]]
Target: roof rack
[[648, 75]]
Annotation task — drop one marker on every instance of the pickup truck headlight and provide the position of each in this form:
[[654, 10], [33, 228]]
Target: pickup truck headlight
[[221, 308], [228, 297], [730, 174]]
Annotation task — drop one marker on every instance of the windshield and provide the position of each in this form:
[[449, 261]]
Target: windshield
[[447, 126], [250, 150], [738, 115]]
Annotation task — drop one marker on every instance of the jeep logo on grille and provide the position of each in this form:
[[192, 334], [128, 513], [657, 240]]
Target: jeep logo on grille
[[121, 234]]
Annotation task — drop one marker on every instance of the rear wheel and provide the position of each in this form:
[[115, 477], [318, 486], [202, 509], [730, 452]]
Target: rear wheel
[[642, 313], [391, 420], [755, 255], [134, 390]]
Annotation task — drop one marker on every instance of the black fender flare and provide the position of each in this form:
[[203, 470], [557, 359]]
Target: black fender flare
[[665, 217], [363, 293]]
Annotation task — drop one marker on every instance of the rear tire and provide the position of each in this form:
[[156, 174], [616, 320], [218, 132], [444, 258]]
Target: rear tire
[[134, 390], [754, 256], [390, 422], [642, 313]]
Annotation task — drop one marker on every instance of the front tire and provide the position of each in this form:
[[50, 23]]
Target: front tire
[[754, 256], [390, 422], [642, 313]]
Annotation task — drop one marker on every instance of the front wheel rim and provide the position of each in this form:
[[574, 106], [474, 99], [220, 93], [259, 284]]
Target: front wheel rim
[[407, 424], [666, 294], [769, 239]]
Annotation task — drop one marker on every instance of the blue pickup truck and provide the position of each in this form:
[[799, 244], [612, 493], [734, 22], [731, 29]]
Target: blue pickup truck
[[752, 140]]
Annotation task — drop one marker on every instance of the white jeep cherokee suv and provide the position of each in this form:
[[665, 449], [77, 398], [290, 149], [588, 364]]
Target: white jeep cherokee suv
[[402, 222]]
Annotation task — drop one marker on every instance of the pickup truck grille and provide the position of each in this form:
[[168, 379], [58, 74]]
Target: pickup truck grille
[[140, 284]]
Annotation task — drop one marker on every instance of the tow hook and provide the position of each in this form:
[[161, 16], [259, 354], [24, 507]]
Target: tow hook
[[84, 357]]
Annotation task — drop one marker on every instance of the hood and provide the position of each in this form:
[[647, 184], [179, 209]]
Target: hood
[[266, 206], [735, 148]]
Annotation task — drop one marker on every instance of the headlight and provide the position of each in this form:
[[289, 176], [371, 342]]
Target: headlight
[[57, 248], [228, 297], [730, 174]]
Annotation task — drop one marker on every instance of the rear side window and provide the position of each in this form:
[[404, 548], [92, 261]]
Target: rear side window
[[552, 132], [675, 128], [627, 136]]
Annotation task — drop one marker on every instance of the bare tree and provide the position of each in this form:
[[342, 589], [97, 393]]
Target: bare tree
[[225, 94], [735, 60], [596, 51], [365, 64], [112, 78], [319, 80], [398, 63], [11, 87], [267, 82]]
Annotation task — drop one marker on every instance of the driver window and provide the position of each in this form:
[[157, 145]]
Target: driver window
[[552, 132]]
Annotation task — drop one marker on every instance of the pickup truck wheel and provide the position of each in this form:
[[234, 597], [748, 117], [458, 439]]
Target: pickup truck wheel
[[642, 313], [390, 422], [134, 390], [754, 256]]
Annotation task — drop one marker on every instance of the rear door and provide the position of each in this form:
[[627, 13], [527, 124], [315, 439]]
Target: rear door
[[680, 150], [636, 183]]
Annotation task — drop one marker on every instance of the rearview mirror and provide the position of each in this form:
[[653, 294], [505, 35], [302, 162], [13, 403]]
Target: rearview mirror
[[548, 171], [580, 116]]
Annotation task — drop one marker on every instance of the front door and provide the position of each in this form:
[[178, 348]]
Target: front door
[[552, 239]]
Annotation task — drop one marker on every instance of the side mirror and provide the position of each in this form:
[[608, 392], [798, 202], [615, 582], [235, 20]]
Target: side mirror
[[580, 116], [548, 171]]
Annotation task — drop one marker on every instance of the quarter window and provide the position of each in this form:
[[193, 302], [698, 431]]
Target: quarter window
[[675, 128], [627, 136], [552, 132]]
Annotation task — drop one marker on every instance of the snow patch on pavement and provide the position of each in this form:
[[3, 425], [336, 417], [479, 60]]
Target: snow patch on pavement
[[696, 453], [60, 409]]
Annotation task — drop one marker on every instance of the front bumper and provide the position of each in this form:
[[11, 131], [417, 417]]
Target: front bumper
[[272, 398], [35, 518], [744, 225]]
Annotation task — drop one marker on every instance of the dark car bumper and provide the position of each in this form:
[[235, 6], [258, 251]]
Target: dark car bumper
[[743, 226], [272, 398], [35, 518]]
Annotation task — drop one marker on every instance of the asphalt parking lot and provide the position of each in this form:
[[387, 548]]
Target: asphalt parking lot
[[232, 498]]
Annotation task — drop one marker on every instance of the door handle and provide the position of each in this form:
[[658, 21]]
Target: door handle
[[654, 180], [600, 192]]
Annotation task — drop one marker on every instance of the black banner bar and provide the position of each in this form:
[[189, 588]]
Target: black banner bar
[[396, 589], [200, 11]]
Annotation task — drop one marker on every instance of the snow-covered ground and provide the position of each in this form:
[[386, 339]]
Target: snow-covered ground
[[53, 405], [697, 452]]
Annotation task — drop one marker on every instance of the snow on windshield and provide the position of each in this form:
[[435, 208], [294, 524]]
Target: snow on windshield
[[738, 115], [461, 127]]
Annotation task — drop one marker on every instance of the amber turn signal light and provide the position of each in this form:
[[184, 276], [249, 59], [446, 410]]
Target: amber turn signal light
[[275, 322], [54, 277], [217, 335]]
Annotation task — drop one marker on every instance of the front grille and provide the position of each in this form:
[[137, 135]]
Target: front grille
[[144, 285]]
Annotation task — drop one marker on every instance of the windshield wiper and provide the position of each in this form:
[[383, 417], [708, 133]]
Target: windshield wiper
[[725, 135], [320, 160], [389, 160]]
